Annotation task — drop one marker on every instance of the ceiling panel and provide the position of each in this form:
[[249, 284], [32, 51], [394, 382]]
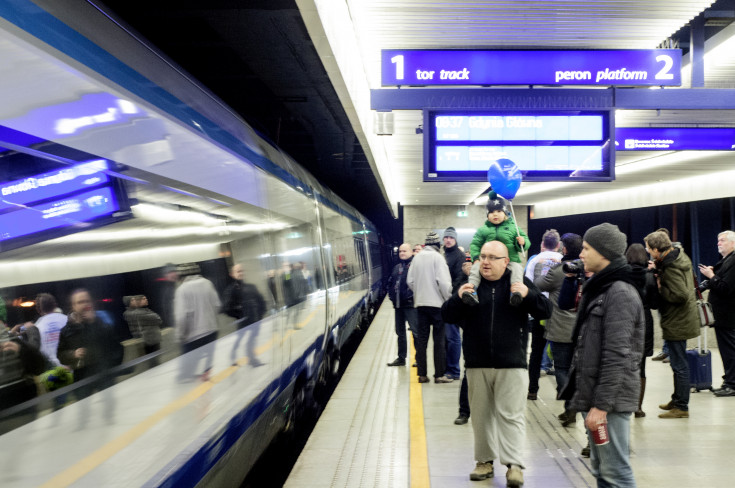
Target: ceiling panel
[[608, 24]]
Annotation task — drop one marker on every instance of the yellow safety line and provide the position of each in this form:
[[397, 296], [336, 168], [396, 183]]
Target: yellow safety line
[[418, 455]]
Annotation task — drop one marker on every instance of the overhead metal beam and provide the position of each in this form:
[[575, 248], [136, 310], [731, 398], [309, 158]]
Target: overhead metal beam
[[386, 99]]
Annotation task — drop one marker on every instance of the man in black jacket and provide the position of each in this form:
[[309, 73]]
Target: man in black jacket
[[455, 258], [243, 301], [608, 345], [721, 285], [402, 297], [495, 342]]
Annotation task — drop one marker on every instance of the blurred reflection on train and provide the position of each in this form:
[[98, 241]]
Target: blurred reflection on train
[[173, 289]]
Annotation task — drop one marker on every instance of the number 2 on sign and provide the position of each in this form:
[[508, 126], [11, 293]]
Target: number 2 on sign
[[664, 73]]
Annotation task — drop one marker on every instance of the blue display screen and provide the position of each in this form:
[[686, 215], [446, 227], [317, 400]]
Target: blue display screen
[[644, 67], [54, 203], [674, 139], [461, 146], [52, 184], [70, 211]]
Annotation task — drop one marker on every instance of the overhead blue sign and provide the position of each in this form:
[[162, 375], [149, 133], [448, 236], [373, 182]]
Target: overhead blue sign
[[651, 67], [53, 184], [674, 139]]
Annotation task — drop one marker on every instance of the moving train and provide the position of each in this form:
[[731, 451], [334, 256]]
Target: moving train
[[118, 171]]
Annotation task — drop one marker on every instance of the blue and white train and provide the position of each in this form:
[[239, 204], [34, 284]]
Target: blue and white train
[[115, 165]]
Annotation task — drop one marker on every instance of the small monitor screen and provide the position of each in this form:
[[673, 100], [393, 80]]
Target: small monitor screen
[[461, 146]]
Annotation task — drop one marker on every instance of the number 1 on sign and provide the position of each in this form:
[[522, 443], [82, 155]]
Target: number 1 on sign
[[398, 61]]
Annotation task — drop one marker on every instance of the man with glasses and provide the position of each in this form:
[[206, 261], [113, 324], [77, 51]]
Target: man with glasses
[[495, 342]]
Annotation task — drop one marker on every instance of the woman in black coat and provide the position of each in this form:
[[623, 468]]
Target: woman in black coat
[[645, 282]]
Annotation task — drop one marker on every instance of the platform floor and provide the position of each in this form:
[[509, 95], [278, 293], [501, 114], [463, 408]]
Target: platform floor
[[382, 429]]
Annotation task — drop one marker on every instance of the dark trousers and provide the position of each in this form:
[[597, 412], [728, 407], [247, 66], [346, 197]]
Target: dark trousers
[[563, 353], [428, 317], [680, 367], [464, 399], [726, 344], [538, 343], [404, 315]]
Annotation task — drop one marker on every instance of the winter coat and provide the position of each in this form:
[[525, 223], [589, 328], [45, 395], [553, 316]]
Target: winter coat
[[455, 258], [243, 301], [429, 278], [679, 317], [104, 351], [496, 333], [144, 323], [560, 325], [398, 291], [505, 232], [609, 343], [196, 305], [645, 283], [722, 292]]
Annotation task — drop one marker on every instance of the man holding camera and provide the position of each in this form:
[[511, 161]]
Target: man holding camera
[[679, 319], [608, 337], [721, 286]]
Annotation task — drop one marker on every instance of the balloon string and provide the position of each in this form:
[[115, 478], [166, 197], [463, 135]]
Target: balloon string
[[518, 230]]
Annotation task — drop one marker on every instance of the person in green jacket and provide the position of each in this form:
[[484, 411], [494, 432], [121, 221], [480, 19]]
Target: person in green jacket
[[679, 319], [499, 226]]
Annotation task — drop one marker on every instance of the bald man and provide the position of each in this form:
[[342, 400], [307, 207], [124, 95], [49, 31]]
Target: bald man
[[402, 297], [495, 342]]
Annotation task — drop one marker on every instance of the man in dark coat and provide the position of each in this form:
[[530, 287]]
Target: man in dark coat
[[243, 301], [721, 285], [455, 258], [87, 345], [402, 297], [608, 336], [495, 343]]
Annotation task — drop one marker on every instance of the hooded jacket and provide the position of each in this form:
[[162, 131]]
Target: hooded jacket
[[679, 318], [505, 232]]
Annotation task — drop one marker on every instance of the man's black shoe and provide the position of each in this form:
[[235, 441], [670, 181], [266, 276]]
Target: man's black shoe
[[470, 298], [586, 450], [461, 420], [532, 396], [725, 392], [516, 299], [398, 362]]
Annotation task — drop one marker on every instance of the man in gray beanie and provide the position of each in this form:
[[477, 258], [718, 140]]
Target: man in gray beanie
[[604, 379], [429, 279]]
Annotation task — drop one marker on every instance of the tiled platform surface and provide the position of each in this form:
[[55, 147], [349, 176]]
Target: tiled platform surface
[[362, 439]]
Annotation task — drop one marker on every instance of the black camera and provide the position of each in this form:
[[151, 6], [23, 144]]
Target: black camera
[[576, 266]]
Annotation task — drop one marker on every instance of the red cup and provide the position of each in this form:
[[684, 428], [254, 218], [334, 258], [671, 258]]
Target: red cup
[[600, 436]]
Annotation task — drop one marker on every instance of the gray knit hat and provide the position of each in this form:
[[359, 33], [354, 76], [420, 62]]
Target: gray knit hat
[[432, 239], [451, 232], [607, 240]]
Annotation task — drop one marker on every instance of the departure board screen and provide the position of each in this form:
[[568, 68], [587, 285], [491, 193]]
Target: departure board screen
[[461, 146], [68, 199]]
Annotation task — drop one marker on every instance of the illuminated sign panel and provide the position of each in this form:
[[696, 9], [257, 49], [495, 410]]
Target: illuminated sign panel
[[651, 67], [55, 203], [460, 146], [674, 139]]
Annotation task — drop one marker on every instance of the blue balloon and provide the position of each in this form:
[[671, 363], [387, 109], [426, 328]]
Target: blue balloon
[[505, 178]]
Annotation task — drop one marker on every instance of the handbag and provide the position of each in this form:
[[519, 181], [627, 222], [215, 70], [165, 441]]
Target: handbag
[[704, 308]]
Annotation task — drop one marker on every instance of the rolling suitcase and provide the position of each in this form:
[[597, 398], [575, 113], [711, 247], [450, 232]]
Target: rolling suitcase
[[700, 365]]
